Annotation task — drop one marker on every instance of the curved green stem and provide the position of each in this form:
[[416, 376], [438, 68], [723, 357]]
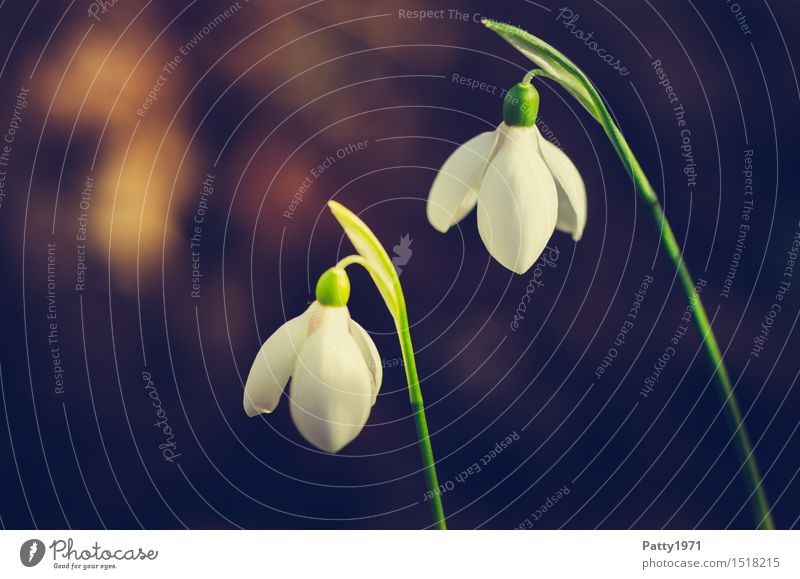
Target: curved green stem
[[562, 70], [758, 497], [353, 260], [397, 305], [534, 72]]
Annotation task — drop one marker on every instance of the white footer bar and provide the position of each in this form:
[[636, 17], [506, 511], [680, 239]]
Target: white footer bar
[[386, 554]]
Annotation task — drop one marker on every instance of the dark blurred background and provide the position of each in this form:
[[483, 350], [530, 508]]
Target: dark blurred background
[[112, 139]]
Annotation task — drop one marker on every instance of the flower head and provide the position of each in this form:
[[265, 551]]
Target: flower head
[[524, 186], [333, 364]]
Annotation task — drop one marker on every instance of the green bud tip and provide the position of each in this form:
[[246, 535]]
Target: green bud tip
[[333, 288], [521, 105]]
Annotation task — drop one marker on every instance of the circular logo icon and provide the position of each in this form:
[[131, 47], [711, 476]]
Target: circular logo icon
[[32, 552]]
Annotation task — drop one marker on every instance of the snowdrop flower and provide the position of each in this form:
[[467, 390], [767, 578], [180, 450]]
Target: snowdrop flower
[[334, 366], [524, 186]]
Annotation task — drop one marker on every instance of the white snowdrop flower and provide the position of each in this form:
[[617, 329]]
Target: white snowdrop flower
[[333, 364], [524, 186]]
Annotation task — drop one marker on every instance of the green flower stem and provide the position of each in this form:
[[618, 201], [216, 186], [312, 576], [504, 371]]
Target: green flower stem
[[418, 409], [759, 502], [559, 68], [758, 498], [744, 448], [414, 392]]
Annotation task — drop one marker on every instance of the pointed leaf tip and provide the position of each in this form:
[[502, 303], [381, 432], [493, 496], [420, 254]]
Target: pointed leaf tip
[[367, 245], [556, 66]]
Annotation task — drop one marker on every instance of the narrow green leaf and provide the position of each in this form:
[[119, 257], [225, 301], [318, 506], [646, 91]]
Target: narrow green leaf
[[381, 268], [557, 66]]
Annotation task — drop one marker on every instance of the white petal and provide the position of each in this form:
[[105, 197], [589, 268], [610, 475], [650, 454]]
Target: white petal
[[517, 201], [331, 390], [370, 355], [571, 190], [274, 364], [453, 193]]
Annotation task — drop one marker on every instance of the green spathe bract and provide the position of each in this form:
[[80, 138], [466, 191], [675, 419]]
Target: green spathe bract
[[368, 246], [559, 68], [555, 65]]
